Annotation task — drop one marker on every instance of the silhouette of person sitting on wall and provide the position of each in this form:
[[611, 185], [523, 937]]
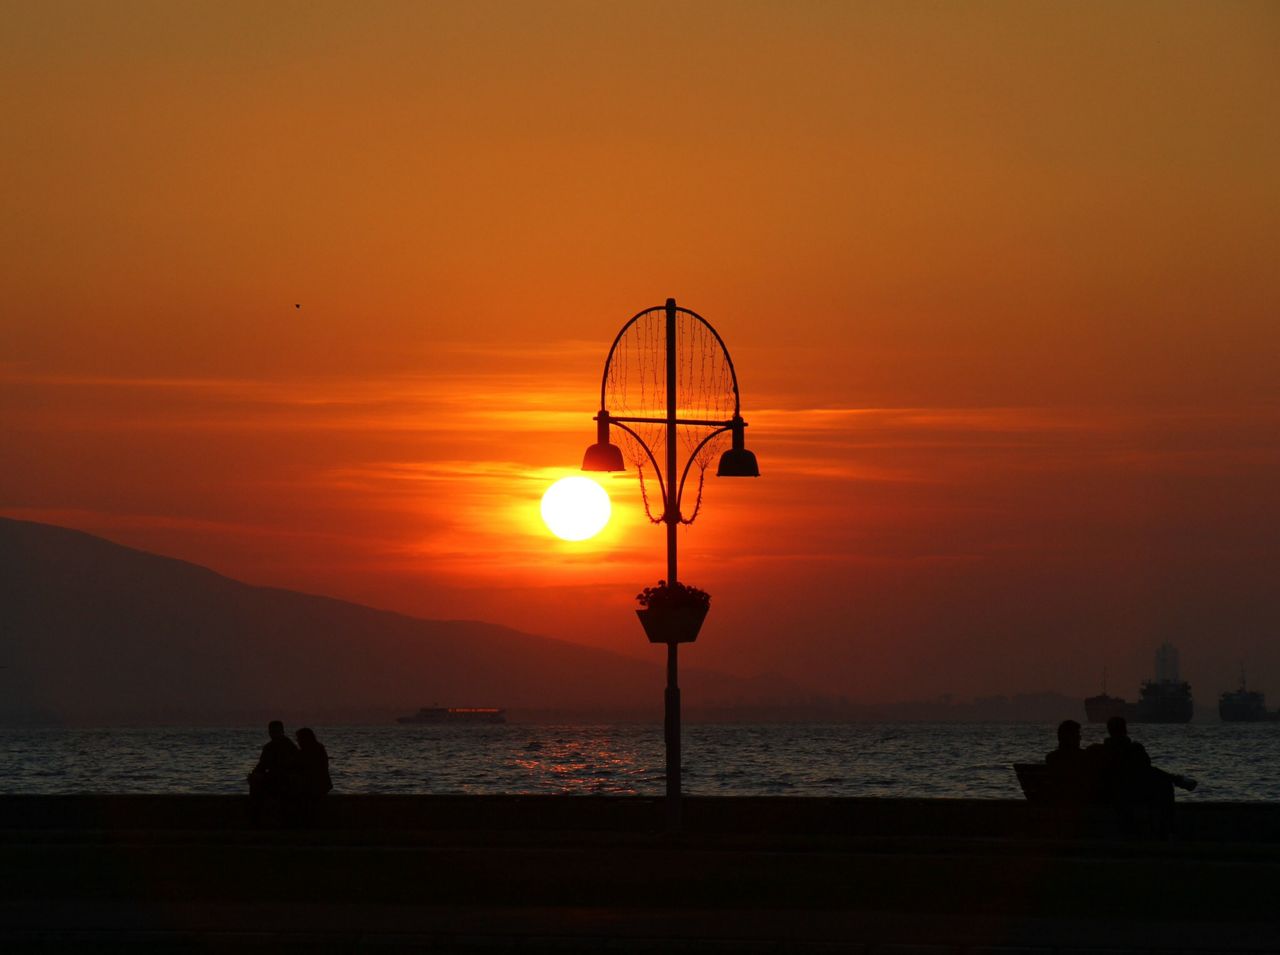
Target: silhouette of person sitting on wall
[[1127, 779], [270, 780], [311, 779], [1071, 774]]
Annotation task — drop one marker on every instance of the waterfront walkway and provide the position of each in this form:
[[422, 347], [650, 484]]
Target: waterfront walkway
[[551, 874]]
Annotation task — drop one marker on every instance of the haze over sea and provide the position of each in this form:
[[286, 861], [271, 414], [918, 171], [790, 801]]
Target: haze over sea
[[1233, 762]]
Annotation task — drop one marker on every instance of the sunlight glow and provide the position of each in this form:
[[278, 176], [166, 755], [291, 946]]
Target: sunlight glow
[[575, 508]]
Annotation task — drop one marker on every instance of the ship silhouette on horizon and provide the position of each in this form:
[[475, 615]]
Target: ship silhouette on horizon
[[1166, 699], [1244, 705], [456, 714]]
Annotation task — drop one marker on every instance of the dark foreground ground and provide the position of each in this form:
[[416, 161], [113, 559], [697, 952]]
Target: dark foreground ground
[[584, 874]]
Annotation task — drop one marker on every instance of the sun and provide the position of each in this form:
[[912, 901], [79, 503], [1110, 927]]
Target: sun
[[575, 508]]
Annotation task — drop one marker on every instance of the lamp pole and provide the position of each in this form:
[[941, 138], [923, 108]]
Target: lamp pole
[[671, 515], [630, 366]]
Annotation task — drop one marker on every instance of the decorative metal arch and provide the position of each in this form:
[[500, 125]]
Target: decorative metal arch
[[672, 479], [733, 372]]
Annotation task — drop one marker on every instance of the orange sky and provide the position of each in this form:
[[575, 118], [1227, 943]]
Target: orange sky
[[999, 280]]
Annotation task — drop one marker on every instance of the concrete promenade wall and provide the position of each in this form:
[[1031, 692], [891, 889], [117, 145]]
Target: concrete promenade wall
[[763, 816], [557, 874]]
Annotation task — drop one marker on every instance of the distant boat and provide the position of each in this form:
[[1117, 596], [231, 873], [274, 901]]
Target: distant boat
[[1245, 706], [456, 714], [1102, 707], [1166, 699]]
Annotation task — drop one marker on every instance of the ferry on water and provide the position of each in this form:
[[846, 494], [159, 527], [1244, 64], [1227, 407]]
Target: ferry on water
[[456, 714]]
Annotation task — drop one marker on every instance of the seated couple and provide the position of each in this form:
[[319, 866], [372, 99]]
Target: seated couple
[[1115, 772], [291, 778]]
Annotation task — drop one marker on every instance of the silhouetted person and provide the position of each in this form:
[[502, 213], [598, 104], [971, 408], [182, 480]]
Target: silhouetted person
[[1122, 765], [1128, 779], [311, 777], [270, 780], [1071, 774]]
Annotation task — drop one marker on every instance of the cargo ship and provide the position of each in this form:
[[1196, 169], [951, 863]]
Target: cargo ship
[[1102, 707], [1245, 706], [1166, 699], [456, 714]]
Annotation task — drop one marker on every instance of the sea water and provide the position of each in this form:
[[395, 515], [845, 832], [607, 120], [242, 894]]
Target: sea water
[[1232, 761]]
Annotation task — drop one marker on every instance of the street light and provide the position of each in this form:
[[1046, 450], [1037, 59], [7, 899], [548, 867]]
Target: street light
[[668, 380]]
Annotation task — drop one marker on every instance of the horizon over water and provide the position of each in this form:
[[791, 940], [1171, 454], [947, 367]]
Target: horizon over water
[[1233, 762]]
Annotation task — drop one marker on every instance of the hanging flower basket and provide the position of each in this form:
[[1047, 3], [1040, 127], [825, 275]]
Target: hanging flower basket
[[672, 613]]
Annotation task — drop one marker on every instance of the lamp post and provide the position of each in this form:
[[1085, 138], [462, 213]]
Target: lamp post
[[664, 363]]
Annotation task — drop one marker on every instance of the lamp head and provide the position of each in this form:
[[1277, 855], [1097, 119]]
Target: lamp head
[[603, 456], [738, 461]]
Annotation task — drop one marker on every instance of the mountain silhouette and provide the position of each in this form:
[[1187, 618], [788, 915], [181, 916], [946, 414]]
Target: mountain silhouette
[[91, 631]]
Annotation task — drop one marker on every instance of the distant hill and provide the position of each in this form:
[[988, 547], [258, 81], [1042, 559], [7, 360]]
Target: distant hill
[[93, 632]]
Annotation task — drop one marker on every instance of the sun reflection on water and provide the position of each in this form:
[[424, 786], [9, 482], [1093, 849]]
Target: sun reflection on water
[[594, 765]]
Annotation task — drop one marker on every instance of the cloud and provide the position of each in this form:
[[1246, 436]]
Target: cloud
[[420, 492]]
